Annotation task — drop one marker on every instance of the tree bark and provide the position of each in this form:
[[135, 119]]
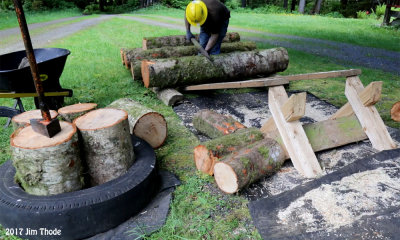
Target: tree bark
[[69, 113], [285, 4], [293, 5], [395, 112], [134, 57], [317, 6], [46, 166], [23, 119], [213, 124], [106, 144], [302, 5], [192, 70], [251, 163], [144, 122], [168, 96], [208, 153], [180, 40]]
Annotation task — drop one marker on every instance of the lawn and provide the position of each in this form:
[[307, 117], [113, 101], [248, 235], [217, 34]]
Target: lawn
[[199, 210]]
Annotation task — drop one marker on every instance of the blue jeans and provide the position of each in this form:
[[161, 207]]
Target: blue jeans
[[204, 37]]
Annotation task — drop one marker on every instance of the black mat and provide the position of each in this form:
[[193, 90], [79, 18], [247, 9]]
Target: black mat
[[358, 201]]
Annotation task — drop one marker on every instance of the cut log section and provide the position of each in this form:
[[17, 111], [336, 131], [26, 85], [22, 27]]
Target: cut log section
[[168, 96], [23, 119], [107, 144], [144, 122], [213, 124], [251, 163], [183, 71], [395, 112], [69, 113], [180, 40], [46, 166], [207, 154]]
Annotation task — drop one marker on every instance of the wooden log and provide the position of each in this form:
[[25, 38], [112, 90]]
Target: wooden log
[[69, 113], [395, 112], [170, 72], [46, 166], [130, 55], [180, 40], [144, 122], [23, 119], [106, 144], [208, 153], [246, 166], [213, 124], [168, 96]]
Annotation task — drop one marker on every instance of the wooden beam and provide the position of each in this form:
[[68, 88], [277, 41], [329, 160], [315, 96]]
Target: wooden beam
[[327, 134], [369, 96], [369, 117], [293, 136], [261, 82], [295, 107], [274, 81]]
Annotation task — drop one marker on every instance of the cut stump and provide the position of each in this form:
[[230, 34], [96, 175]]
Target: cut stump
[[69, 113], [46, 166], [107, 144], [23, 119], [144, 122]]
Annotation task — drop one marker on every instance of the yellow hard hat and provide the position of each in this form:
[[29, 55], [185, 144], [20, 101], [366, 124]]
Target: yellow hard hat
[[196, 12]]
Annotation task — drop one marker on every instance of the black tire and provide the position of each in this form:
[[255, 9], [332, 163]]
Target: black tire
[[83, 213]]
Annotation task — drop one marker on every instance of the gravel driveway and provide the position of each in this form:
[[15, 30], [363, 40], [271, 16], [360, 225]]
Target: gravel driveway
[[348, 55]]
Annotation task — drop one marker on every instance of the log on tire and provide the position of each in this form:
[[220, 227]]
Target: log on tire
[[395, 112], [69, 113], [47, 166], [106, 144], [251, 163], [180, 40], [208, 153], [193, 70], [213, 124], [23, 119], [144, 122]]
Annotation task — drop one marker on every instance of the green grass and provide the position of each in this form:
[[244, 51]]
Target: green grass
[[199, 210], [9, 19]]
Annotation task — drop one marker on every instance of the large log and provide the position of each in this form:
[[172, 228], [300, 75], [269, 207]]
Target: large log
[[213, 124], [246, 166], [168, 96], [69, 113], [395, 112], [144, 122], [182, 71], [23, 119], [134, 57], [106, 144], [180, 40], [208, 153], [46, 166]]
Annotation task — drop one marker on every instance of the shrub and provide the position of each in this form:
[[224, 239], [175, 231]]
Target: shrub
[[380, 10], [232, 4], [334, 15], [176, 3]]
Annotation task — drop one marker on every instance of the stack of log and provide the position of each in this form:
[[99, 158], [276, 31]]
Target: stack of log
[[46, 166], [171, 62]]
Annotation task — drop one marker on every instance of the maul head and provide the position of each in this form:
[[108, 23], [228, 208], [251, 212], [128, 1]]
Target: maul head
[[46, 128]]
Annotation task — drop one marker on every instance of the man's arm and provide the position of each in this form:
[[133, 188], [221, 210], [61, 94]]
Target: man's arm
[[211, 42], [189, 34]]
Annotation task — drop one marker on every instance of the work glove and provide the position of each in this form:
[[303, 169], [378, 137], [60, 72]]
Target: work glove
[[189, 36]]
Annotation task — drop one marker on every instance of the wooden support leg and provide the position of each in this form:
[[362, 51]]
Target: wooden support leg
[[293, 135], [368, 116]]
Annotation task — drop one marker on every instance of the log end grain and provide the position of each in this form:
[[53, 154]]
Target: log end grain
[[152, 128], [145, 72], [226, 178], [23, 119], [26, 138], [395, 112], [203, 159], [69, 113], [100, 118], [144, 44]]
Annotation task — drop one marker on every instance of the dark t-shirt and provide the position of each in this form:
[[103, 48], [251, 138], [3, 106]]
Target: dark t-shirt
[[217, 14]]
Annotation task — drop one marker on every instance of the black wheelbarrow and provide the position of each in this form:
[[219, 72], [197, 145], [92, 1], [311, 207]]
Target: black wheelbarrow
[[16, 81]]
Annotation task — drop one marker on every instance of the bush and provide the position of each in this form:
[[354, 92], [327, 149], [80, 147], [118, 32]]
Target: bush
[[232, 4], [334, 15], [380, 10], [181, 4]]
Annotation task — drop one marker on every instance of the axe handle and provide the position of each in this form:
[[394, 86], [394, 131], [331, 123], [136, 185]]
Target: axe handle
[[201, 49]]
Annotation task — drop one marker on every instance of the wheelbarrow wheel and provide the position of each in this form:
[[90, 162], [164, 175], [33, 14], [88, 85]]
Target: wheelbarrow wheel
[[54, 103]]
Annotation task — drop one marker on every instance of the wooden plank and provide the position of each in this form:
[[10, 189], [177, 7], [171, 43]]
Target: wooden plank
[[369, 96], [22, 95], [293, 136], [274, 81], [328, 134], [261, 82], [369, 117], [295, 107]]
